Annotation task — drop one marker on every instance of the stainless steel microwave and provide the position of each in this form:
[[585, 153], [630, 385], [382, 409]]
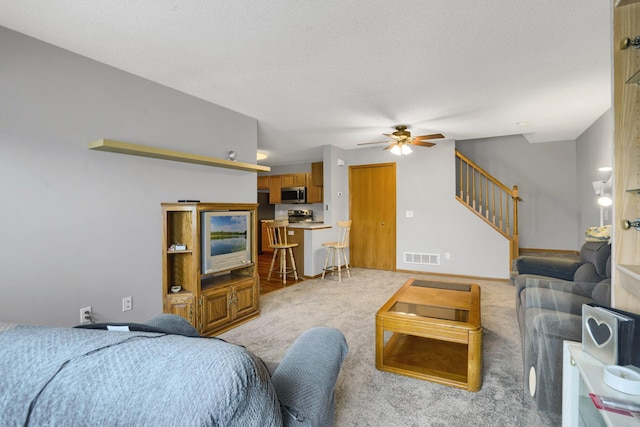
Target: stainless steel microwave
[[293, 195]]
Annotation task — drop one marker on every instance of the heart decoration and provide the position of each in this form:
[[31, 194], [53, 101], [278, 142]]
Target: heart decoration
[[600, 332]]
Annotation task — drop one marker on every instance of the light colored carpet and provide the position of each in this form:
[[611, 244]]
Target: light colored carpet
[[368, 397]]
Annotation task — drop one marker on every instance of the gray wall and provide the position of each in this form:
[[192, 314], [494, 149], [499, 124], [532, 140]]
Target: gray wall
[[593, 150], [426, 185], [81, 227], [554, 180], [546, 177]]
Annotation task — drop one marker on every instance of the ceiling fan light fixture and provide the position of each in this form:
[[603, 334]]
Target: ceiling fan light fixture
[[401, 149]]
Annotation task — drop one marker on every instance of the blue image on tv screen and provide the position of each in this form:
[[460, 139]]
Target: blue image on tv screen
[[228, 234]]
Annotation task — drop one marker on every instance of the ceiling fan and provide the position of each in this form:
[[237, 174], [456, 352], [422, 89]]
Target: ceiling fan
[[402, 139]]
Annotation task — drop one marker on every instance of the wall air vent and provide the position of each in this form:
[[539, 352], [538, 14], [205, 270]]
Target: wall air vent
[[425, 259]]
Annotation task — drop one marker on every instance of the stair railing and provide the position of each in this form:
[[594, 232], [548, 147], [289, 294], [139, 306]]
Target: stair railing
[[490, 199]]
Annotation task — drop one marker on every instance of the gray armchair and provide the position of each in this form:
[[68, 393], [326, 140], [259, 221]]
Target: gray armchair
[[550, 293]]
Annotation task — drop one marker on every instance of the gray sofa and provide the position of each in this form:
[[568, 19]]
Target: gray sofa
[[550, 293], [161, 373]]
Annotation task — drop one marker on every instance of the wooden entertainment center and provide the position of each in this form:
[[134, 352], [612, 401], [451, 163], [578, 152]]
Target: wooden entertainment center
[[212, 303]]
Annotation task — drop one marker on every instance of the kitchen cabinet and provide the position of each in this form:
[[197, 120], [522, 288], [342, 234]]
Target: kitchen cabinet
[[299, 179], [317, 174], [294, 180], [275, 186], [315, 193], [263, 182], [312, 181]]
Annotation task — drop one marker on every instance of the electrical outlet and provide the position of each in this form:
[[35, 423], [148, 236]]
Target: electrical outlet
[[86, 313], [127, 303]]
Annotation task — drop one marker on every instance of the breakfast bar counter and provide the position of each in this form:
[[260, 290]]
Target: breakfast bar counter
[[309, 225], [311, 254]]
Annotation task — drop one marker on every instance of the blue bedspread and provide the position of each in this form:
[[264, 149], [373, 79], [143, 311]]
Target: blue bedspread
[[77, 377]]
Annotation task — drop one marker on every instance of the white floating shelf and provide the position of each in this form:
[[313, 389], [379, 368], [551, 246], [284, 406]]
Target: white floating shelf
[[630, 270], [161, 153]]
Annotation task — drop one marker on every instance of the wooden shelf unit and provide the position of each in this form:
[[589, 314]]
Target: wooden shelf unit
[[626, 172], [211, 303], [178, 156]]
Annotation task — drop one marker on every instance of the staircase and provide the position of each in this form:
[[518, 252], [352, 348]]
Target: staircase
[[489, 199]]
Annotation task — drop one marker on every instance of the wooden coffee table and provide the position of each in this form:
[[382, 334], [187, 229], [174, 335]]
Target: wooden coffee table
[[432, 331]]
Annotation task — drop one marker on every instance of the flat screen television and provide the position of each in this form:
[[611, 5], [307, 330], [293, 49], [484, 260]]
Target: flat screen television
[[226, 240]]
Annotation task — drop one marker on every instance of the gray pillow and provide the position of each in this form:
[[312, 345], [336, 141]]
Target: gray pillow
[[587, 273], [173, 324], [597, 254], [602, 294]]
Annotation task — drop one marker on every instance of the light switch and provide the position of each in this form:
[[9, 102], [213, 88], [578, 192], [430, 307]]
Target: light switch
[[409, 214]]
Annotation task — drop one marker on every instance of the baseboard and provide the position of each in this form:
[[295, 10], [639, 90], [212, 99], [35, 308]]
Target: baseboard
[[458, 276], [551, 251]]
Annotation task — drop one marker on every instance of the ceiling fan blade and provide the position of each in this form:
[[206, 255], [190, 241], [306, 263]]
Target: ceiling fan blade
[[423, 143], [390, 135], [389, 146], [378, 142], [432, 136]]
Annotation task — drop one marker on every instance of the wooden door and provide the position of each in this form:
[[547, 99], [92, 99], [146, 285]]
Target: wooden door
[[372, 190]]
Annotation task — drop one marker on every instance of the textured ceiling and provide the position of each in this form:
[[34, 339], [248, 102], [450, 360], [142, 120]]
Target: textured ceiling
[[343, 72]]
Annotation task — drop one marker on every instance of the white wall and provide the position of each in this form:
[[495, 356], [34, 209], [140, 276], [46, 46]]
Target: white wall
[[81, 227], [593, 150], [546, 177], [336, 182]]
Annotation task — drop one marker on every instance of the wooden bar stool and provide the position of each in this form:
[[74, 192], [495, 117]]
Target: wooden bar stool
[[277, 232], [335, 249]]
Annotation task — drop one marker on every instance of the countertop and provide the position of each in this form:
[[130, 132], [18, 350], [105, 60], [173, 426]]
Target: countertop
[[309, 226], [305, 225]]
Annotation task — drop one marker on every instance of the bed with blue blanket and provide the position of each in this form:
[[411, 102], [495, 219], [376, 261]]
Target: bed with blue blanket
[[72, 377]]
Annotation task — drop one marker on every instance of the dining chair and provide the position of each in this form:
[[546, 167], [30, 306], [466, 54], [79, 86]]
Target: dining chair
[[277, 233], [336, 249]]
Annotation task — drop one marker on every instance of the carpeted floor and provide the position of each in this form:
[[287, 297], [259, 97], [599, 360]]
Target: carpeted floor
[[368, 397]]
